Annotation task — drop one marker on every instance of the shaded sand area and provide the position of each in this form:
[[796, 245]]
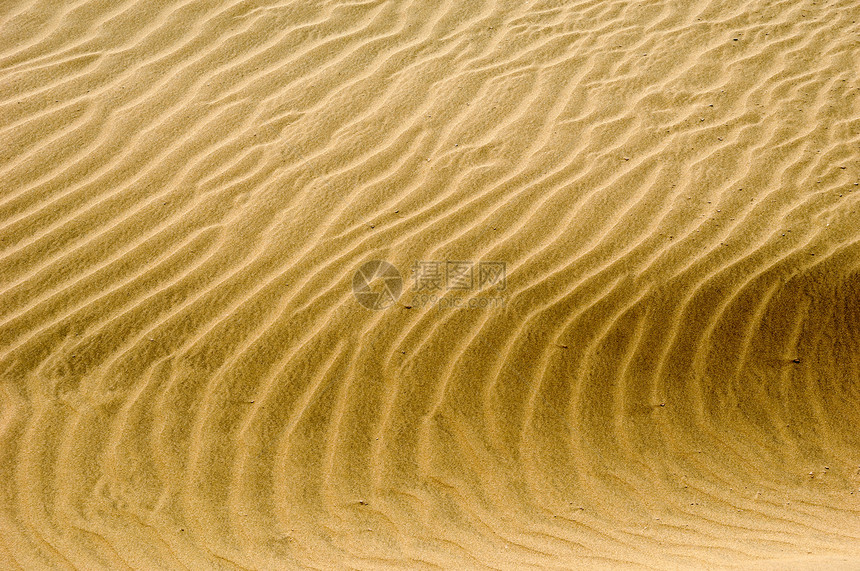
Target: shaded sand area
[[666, 375]]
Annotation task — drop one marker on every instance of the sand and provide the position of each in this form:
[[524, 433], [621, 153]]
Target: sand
[[619, 328]]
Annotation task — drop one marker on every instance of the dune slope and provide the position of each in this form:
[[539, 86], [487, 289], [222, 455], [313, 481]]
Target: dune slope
[[668, 377]]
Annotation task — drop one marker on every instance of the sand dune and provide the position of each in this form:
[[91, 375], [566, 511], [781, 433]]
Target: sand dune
[[668, 376]]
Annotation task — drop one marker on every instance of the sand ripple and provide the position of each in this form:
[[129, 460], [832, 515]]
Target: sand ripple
[[188, 188]]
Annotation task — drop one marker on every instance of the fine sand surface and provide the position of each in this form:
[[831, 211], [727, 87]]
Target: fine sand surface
[[669, 378]]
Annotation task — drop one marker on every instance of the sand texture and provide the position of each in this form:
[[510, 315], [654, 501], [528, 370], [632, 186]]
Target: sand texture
[[667, 377]]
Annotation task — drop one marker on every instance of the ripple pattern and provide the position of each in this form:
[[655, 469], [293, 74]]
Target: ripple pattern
[[187, 188]]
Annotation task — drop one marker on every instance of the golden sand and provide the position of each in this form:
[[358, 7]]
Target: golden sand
[[669, 378]]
